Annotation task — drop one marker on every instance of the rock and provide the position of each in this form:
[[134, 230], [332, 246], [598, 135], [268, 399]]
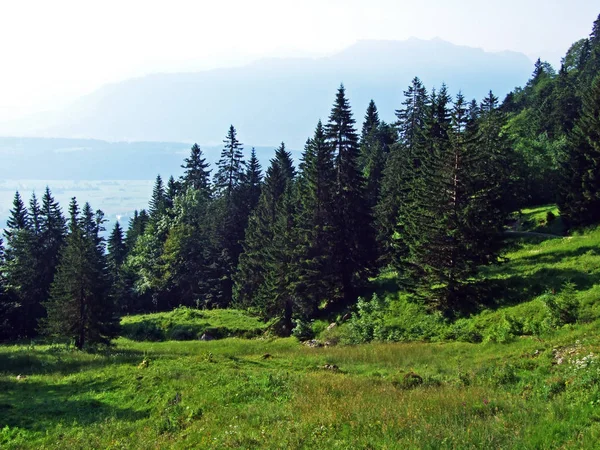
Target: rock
[[266, 356], [347, 316], [313, 343], [206, 337], [21, 377], [332, 326], [331, 367]]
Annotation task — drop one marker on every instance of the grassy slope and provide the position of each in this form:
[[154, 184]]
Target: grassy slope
[[537, 391], [226, 394], [188, 324]]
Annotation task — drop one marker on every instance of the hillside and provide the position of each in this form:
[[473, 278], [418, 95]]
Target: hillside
[[530, 384], [275, 99]]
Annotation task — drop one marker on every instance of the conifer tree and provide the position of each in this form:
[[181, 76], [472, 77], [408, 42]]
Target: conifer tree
[[258, 244], [315, 273], [230, 168], [18, 219], [173, 189], [196, 173], [187, 256], [253, 180], [354, 246], [21, 271], [115, 259], [458, 203], [230, 213], [400, 169], [579, 200], [7, 305], [137, 226], [35, 213], [374, 147], [158, 205], [79, 308], [51, 239]]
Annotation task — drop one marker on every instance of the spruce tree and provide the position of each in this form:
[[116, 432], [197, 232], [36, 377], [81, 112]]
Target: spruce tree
[[252, 181], [196, 173], [579, 200], [158, 205], [22, 264], [230, 168], [171, 192], [400, 169], [79, 308], [354, 245], [253, 264], [18, 219], [35, 213], [7, 306], [230, 212], [374, 147], [115, 260], [51, 239], [137, 226], [315, 268], [458, 203]]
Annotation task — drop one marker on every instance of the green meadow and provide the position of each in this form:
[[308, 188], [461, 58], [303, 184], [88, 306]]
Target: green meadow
[[519, 375]]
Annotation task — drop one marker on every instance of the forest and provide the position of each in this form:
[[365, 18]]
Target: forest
[[429, 199]]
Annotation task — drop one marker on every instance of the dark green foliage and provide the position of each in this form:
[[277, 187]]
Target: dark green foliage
[[316, 277], [253, 180], [19, 219], [262, 279], [120, 290], [173, 189], [187, 258], [229, 214], [580, 197], [354, 247], [196, 173], [458, 203], [399, 171], [137, 226], [158, 201], [79, 308], [230, 168], [53, 229], [375, 142], [7, 303]]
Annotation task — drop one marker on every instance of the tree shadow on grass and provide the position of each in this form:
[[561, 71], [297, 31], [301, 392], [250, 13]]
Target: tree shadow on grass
[[555, 257], [38, 406], [515, 289], [60, 360]]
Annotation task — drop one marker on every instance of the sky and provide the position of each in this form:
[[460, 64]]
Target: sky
[[52, 52]]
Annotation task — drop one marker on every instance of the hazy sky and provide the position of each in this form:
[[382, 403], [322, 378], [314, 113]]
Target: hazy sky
[[54, 51]]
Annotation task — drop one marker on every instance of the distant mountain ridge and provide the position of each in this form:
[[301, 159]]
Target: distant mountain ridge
[[277, 99]]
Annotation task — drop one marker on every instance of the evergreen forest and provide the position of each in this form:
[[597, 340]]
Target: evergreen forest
[[428, 200]]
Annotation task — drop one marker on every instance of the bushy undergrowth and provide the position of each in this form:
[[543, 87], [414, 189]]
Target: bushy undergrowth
[[541, 287], [184, 324]]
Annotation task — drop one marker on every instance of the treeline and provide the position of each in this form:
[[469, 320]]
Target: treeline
[[428, 196]]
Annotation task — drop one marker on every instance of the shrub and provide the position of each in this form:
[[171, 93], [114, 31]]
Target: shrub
[[303, 330], [563, 308]]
